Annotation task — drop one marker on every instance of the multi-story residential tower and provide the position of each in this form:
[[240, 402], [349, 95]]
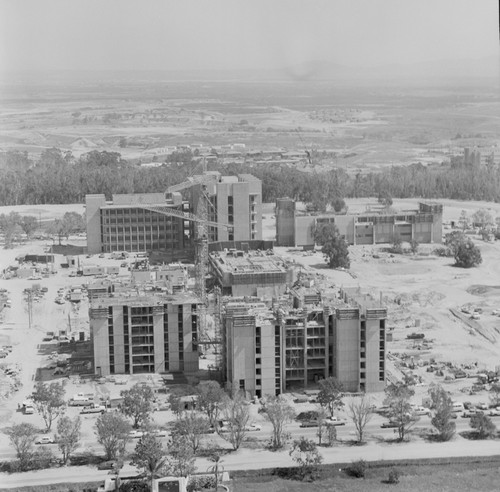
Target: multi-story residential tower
[[235, 201], [295, 344], [151, 333], [252, 349]]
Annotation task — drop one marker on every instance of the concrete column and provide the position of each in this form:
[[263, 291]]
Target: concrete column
[[305, 351]]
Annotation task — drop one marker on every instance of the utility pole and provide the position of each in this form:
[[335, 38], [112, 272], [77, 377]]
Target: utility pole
[[29, 306]]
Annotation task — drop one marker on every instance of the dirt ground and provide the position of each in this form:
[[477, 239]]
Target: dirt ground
[[419, 291]]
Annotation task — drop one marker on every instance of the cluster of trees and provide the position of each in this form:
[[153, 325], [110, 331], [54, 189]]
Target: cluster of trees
[[48, 400], [416, 180], [58, 177], [13, 226]]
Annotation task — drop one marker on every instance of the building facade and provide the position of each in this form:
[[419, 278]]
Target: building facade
[[252, 349], [126, 224], [133, 223], [144, 334], [294, 345], [235, 201], [424, 225]]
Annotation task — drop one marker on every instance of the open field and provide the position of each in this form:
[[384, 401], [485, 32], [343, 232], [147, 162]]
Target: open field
[[456, 477], [368, 127]]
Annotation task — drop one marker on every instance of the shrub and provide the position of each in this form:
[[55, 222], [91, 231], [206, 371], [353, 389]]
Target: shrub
[[134, 486], [394, 475], [201, 482], [309, 415], [357, 469]]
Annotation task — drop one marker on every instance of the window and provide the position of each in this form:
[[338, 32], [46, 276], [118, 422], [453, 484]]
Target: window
[[258, 371], [258, 360], [258, 382], [242, 384]]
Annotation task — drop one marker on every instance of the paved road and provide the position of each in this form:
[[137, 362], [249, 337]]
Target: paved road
[[260, 459]]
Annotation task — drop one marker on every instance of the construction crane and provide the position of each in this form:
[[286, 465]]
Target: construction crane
[[200, 218]]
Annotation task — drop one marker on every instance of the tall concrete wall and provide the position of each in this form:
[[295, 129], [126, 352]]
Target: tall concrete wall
[[285, 222], [268, 357], [346, 353], [372, 358], [93, 204]]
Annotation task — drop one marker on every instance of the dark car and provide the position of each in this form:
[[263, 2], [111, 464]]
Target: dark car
[[389, 425], [309, 423], [106, 465]]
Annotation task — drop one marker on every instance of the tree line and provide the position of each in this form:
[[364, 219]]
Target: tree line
[[57, 177]]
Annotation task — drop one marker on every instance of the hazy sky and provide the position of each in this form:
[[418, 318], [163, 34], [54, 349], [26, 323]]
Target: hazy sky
[[200, 34]]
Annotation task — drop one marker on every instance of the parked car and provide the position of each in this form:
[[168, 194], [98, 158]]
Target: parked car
[[93, 409], [136, 434], [28, 410], [159, 433], [309, 423], [253, 427], [421, 411], [469, 413], [494, 412], [45, 440], [482, 406], [334, 421], [106, 465], [389, 425]]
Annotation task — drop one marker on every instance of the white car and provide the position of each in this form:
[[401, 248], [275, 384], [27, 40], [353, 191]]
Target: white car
[[334, 421], [159, 433], [495, 412], [421, 411], [45, 440], [475, 316], [495, 312], [253, 427], [136, 434]]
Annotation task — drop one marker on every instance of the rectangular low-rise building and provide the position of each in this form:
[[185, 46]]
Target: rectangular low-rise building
[[424, 225], [255, 273]]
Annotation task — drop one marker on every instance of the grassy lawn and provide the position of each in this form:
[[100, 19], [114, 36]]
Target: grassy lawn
[[458, 477]]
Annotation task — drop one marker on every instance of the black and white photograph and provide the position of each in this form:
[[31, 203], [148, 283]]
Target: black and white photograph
[[249, 245]]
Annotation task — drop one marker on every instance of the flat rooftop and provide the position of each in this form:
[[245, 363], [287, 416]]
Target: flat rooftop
[[253, 262], [143, 299]]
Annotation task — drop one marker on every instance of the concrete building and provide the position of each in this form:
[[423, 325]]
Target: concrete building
[[234, 200], [252, 349], [152, 333], [255, 273], [124, 224], [297, 229], [295, 344]]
